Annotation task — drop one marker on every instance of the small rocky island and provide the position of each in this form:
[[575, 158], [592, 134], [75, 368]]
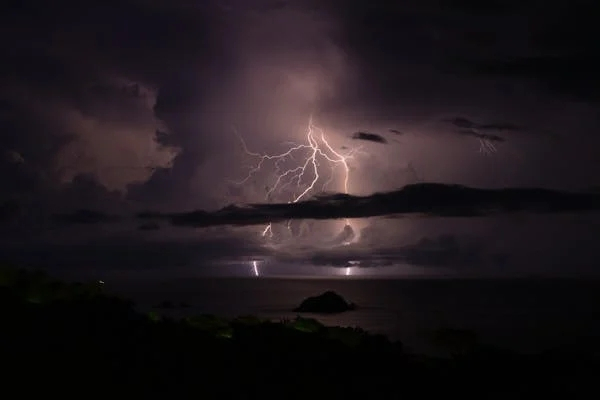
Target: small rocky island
[[327, 303]]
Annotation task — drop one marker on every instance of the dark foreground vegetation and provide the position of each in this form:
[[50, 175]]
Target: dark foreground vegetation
[[72, 339]]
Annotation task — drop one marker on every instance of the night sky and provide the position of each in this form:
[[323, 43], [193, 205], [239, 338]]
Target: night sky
[[123, 107]]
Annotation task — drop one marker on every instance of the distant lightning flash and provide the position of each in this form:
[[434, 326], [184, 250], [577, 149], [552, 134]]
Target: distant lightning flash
[[304, 176], [268, 231], [255, 268], [486, 145]]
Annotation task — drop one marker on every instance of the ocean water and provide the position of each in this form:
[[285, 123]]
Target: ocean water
[[524, 315]]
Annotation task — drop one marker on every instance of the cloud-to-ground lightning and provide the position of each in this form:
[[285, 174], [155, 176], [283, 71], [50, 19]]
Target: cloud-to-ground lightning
[[304, 174], [349, 268], [255, 268]]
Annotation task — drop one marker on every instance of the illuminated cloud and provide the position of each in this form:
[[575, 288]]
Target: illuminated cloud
[[118, 111], [107, 130], [116, 140]]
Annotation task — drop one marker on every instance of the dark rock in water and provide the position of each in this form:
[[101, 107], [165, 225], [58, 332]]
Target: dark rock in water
[[327, 303]]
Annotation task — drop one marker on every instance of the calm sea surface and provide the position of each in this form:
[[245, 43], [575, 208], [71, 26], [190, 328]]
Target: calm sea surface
[[526, 315]]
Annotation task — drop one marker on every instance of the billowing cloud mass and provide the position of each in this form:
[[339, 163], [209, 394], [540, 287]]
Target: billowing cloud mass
[[110, 133], [170, 106]]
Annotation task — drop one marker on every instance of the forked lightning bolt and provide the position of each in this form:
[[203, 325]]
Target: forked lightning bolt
[[302, 178]]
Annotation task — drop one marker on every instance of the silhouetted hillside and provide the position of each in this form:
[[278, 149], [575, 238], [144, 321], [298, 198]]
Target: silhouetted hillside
[[65, 339]]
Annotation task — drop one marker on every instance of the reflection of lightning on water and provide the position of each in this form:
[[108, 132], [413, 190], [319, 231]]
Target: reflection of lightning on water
[[303, 178], [255, 268], [351, 264]]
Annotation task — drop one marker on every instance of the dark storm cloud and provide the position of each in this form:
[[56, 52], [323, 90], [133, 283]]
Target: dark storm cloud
[[396, 131], [415, 53], [426, 198], [489, 131], [83, 202], [84, 192], [79, 83], [418, 51], [573, 75], [563, 55], [138, 96], [124, 106], [483, 136], [272, 64], [369, 137], [462, 122], [500, 126]]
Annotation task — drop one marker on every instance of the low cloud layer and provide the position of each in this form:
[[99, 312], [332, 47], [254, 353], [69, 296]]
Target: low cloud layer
[[462, 122], [427, 199]]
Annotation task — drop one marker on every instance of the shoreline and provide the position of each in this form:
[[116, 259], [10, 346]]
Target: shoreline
[[59, 329]]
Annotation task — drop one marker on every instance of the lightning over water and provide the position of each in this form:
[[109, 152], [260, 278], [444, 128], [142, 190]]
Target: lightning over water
[[302, 169]]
